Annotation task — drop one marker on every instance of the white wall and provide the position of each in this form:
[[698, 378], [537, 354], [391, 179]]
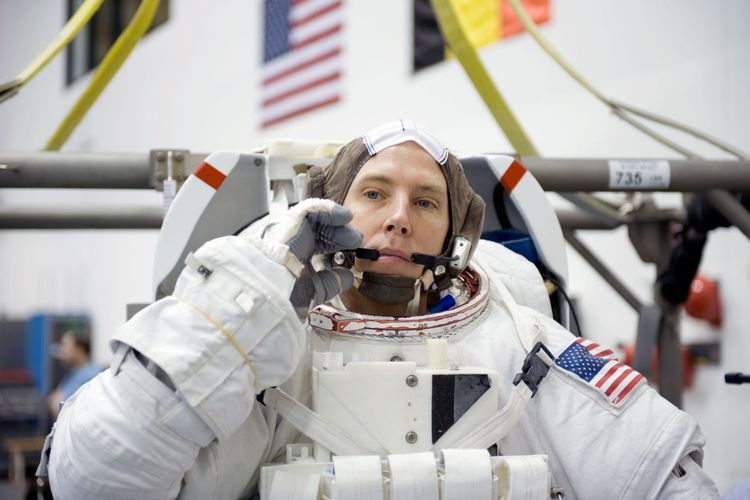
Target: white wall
[[193, 83]]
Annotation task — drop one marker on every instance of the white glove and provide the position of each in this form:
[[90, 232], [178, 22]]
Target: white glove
[[312, 227]]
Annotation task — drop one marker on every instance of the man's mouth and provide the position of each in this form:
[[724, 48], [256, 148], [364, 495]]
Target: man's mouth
[[393, 254], [381, 254]]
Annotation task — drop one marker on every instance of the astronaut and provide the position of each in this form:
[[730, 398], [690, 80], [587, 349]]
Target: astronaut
[[390, 229]]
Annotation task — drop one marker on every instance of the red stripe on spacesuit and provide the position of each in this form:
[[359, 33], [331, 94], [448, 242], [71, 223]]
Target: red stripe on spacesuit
[[210, 175], [619, 380], [448, 319], [609, 373], [512, 176], [628, 388]]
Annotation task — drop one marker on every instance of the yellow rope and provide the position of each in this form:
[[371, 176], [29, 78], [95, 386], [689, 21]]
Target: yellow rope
[[63, 38], [619, 108], [67, 33], [104, 73], [461, 46], [221, 328]]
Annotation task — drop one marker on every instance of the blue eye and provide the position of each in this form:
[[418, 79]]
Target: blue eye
[[372, 195], [425, 204]]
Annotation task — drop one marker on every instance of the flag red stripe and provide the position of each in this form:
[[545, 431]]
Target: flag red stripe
[[210, 175], [307, 41], [628, 388], [609, 373], [301, 66], [299, 111], [301, 88], [316, 14], [590, 346], [618, 380]]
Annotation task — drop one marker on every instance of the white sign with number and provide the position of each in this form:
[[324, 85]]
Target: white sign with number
[[638, 174]]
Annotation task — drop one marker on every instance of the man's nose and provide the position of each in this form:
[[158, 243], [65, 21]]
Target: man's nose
[[398, 219]]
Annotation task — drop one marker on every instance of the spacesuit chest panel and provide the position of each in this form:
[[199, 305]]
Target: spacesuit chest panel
[[401, 407]]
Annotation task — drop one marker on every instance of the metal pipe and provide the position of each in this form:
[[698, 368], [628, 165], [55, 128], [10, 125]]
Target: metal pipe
[[133, 171], [670, 355], [75, 170], [587, 174], [603, 271], [99, 217], [731, 209], [82, 217], [573, 219]]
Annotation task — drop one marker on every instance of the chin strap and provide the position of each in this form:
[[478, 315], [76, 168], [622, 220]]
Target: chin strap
[[391, 289], [388, 289], [435, 263], [438, 264], [413, 307]]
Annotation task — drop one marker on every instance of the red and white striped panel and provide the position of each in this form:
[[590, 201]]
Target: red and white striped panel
[[187, 208], [537, 213]]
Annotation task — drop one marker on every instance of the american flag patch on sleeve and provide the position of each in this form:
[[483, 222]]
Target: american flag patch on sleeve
[[598, 366]]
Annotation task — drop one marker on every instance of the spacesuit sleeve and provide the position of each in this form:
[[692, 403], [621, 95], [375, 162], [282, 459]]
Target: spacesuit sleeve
[[670, 465], [688, 480], [124, 435], [226, 333], [673, 467]]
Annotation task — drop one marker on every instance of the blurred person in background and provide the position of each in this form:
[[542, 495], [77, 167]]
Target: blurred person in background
[[75, 353]]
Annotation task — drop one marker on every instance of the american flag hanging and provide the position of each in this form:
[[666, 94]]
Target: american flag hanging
[[597, 365], [301, 57]]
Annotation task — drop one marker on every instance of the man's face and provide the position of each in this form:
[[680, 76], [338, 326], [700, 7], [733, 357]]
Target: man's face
[[67, 348], [399, 200]]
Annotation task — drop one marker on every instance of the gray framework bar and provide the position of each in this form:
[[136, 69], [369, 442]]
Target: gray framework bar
[[133, 171], [75, 170], [150, 217], [603, 270], [100, 217], [587, 174]]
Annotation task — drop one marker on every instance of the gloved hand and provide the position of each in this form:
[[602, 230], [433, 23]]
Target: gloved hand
[[312, 227], [315, 287]]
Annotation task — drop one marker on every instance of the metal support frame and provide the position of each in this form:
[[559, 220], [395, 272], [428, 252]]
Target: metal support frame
[[141, 171], [96, 170], [587, 174], [81, 217], [670, 354], [731, 209], [603, 270], [150, 217], [168, 164], [647, 226], [658, 322]]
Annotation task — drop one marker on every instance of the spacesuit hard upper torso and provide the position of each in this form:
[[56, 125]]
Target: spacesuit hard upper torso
[[128, 434]]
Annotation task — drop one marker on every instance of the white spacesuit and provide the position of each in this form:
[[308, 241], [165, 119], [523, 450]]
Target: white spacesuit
[[176, 415]]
